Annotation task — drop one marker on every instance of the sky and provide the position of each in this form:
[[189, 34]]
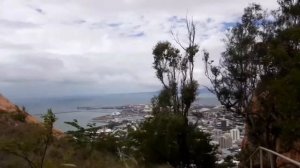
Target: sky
[[53, 48]]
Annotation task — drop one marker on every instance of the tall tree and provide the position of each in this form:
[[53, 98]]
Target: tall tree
[[283, 85], [237, 76], [175, 69], [258, 75]]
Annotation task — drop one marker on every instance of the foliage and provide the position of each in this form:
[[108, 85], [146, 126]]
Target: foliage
[[154, 142], [106, 142], [49, 120], [235, 79], [157, 141], [23, 141], [19, 116], [28, 141], [169, 137], [82, 136], [258, 75], [175, 71]]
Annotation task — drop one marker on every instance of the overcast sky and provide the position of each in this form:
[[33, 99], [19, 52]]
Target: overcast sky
[[81, 47]]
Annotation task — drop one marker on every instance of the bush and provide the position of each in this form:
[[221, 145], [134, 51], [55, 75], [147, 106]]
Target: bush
[[157, 141], [19, 116]]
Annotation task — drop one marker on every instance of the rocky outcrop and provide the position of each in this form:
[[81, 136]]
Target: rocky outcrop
[[293, 152]]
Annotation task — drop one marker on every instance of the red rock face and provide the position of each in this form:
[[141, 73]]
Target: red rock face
[[6, 105], [255, 109], [293, 153]]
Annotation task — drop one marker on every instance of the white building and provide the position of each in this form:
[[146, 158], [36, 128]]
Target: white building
[[147, 108], [225, 141], [235, 134], [217, 132]]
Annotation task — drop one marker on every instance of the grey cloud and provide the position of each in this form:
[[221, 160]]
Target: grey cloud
[[97, 25], [29, 68], [104, 24], [14, 46], [16, 24], [37, 9], [176, 19], [136, 35], [42, 61], [114, 25], [136, 27], [79, 21], [40, 11]]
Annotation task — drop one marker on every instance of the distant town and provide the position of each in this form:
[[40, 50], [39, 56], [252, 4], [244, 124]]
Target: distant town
[[226, 130]]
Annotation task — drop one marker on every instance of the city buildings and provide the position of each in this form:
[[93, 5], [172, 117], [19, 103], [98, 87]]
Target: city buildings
[[235, 134], [225, 141]]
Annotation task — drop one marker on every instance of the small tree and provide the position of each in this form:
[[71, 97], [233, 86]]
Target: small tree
[[49, 120]]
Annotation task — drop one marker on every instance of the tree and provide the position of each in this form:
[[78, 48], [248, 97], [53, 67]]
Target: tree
[[235, 79], [283, 85], [258, 75], [49, 120], [83, 136], [239, 80], [89, 139], [175, 70]]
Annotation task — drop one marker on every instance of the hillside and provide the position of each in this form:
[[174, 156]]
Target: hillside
[[7, 107], [10, 112]]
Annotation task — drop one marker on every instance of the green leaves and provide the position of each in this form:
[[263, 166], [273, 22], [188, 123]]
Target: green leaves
[[235, 79], [168, 137], [49, 119], [175, 70], [258, 75], [83, 136], [159, 140]]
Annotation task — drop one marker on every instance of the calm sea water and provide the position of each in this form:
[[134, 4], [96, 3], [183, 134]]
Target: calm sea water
[[66, 107]]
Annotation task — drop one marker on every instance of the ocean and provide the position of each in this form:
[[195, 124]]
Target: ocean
[[65, 108]]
